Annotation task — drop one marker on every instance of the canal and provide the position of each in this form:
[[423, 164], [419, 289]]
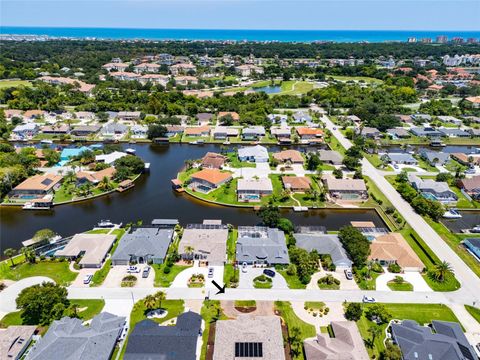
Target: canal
[[152, 197]]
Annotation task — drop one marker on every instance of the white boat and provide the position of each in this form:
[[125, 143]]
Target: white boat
[[300, 208], [475, 229], [105, 224], [130, 151], [45, 141], [36, 206], [452, 214]]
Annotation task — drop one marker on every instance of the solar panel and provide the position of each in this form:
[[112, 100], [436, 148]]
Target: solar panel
[[47, 182], [249, 349]]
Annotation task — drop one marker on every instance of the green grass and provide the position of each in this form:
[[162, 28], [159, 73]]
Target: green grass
[[228, 272], [426, 165], [422, 313], [58, 271], [209, 314], [474, 311], [405, 286], [245, 303], [231, 244], [293, 321], [164, 280], [292, 280], [293, 87], [100, 275], [98, 231], [234, 162], [14, 83], [366, 284], [356, 78], [315, 305], [93, 307], [262, 282]]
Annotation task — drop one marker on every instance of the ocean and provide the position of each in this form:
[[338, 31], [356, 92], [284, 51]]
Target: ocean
[[236, 35]]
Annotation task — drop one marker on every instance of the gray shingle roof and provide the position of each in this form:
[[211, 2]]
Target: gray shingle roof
[[418, 342], [330, 156], [150, 341], [69, 339], [431, 155], [261, 244], [324, 244], [144, 241]]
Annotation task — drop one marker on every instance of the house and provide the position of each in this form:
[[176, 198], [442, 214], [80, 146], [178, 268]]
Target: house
[[206, 242], [297, 183], [450, 119], [247, 70], [129, 115], [421, 117], [94, 177], [260, 245], [213, 160], [432, 190], [474, 132], [301, 117], [398, 133], [224, 132], [31, 115], [281, 132], [143, 244], [173, 130], [252, 190], [426, 132], [277, 118], [464, 159], [146, 68], [91, 248], [204, 118], [114, 130], [197, 131], [155, 79], [75, 83], [392, 248], [209, 179], [182, 68], [165, 223], [308, 135], [68, 338], [452, 132], [448, 342], [117, 66], [289, 156], [13, 113], [14, 340], [324, 244], [346, 343], [253, 132], [85, 130], [139, 131], [249, 337], [346, 189], [435, 158], [149, 340], [125, 76], [257, 153], [60, 129], [25, 131], [473, 101], [110, 158], [471, 186], [473, 246], [36, 186], [399, 158], [185, 80], [330, 156], [368, 132], [234, 115]]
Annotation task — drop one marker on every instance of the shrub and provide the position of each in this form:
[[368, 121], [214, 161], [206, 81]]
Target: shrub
[[167, 269], [353, 311], [394, 268]]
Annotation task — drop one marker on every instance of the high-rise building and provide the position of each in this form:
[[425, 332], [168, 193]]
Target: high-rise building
[[427, 40], [442, 39], [412, 40]]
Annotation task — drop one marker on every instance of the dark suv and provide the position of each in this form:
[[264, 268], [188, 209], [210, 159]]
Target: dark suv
[[269, 272]]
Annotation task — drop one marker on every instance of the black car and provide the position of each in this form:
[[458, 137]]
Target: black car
[[269, 272]]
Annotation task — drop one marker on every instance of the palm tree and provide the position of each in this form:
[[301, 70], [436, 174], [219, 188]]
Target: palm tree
[[441, 270], [10, 253], [375, 331], [74, 310], [150, 302], [105, 184], [159, 297], [189, 250], [29, 254]]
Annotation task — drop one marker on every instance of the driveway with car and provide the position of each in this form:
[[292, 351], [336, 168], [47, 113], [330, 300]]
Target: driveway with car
[[246, 278], [118, 272], [181, 280]]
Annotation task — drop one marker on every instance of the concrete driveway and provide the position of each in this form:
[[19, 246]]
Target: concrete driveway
[[181, 280], [413, 278], [345, 284], [246, 279], [118, 272], [78, 282], [9, 295]]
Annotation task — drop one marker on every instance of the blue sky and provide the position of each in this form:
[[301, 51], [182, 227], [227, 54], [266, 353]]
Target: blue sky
[[246, 14]]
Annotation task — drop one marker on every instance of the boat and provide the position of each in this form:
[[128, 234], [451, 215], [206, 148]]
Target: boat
[[300, 208], [130, 151], [475, 229], [45, 141], [39, 204], [193, 142], [452, 214], [105, 224], [226, 142]]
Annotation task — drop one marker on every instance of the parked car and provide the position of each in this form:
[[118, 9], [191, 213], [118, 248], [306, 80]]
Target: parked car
[[395, 166], [87, 279], [269, 272], [210, 272], [470, 171], [348, 274], [133, 269], [244, 267], [146, 272], [368, 299], [124, 333]]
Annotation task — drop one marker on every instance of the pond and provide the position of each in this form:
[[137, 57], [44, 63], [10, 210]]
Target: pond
[[153, 197], [268, 89]]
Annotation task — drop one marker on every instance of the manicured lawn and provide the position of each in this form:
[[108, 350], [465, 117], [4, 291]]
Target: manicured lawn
[[425, 165], [100, 275], [98, 231], [292, 87], [474, 311], [231, 244], [422, 313], [228, 272], [405, 286], [262, 282], [293, 321], [315, 305], [366, 284], [234, 162], [356, 78], [58, 271], [245, 303], [164, 280], [14, 83], [209, 314], [292, 280]]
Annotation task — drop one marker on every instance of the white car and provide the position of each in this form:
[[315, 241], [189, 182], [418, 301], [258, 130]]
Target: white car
[[368, 299], [244, 267], [87, 279], [210, 272], [133, 269]]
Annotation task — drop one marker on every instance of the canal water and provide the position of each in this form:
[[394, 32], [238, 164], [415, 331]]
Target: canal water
[[152, 197], [269, 89]]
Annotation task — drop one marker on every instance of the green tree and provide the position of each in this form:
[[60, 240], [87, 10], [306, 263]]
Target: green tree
[[392, 352], [375, 331], [43, 235], [156, 131], [159, 297], [379, 312], [10, 253], [356, 244], [270, 215], [42, 303], [353, 311], [441, 270], [51, 156], [150, 302]]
